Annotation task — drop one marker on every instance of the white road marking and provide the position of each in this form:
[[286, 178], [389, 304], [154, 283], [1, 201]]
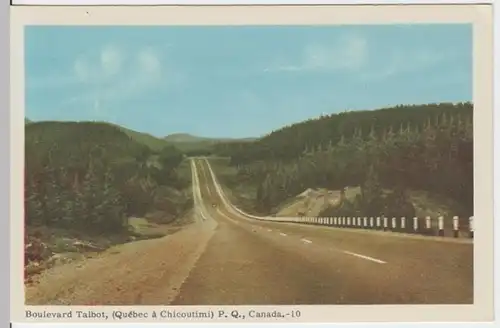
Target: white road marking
[[269, 230], [365, 257], [306, 241], [283, 234]]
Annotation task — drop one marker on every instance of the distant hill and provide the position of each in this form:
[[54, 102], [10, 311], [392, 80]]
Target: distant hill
[[404, 148], [73, 142], [291, 141], [183, 141], [89, 164], [190, 143], [144, 138], [186, 137], [154, 143]]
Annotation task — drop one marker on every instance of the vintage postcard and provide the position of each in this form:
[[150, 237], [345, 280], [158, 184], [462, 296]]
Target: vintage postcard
[[252, 164]]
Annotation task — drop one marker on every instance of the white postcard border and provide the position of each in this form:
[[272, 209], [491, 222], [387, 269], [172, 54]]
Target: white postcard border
[[482, 99]]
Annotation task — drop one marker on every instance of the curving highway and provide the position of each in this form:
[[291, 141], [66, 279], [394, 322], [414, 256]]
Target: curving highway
[[226, 258], [253, 262]]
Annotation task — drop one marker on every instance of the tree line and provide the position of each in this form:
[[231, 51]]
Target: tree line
[[91, 177], [427, 147]]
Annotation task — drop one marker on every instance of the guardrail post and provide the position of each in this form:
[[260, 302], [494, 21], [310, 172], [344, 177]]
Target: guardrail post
[[403, 223], [378, 222], [415, 224], [385, 223], [471, 227], [455, 226], [441, 226], [348, 221], [365, 222], [393, 223], [359, 222], [428, 225], [371, 222]]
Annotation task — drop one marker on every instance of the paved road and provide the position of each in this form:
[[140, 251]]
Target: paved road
[[250, 262], [226, 259]]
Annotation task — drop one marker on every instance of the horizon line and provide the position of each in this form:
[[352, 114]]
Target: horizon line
[[252, 137]]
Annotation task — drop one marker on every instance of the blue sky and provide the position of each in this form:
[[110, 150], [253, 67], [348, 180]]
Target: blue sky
[[239, 81]]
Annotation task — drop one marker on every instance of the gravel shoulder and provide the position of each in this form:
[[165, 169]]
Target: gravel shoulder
[[147, 272]]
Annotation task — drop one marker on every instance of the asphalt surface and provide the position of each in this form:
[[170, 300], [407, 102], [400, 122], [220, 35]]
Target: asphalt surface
[[224, 258], [251, 262]]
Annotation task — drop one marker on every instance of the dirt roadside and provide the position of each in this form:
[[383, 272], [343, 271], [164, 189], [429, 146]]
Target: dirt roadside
[[147, 272]]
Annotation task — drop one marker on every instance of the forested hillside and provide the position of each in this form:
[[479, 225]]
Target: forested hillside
[[90, 177], [424, 147]]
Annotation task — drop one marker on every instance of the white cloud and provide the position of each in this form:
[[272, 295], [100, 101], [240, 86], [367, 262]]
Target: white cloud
[[352, 53], [113, 74], [148, 61], [348, 53], [405, 61], [89, 70], [111, 60], [81, 70]]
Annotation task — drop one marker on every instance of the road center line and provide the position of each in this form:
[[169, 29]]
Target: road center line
[[306, 241], [365, 257], [283, 234]]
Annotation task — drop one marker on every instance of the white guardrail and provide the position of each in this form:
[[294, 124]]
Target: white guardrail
[[410, 225]]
